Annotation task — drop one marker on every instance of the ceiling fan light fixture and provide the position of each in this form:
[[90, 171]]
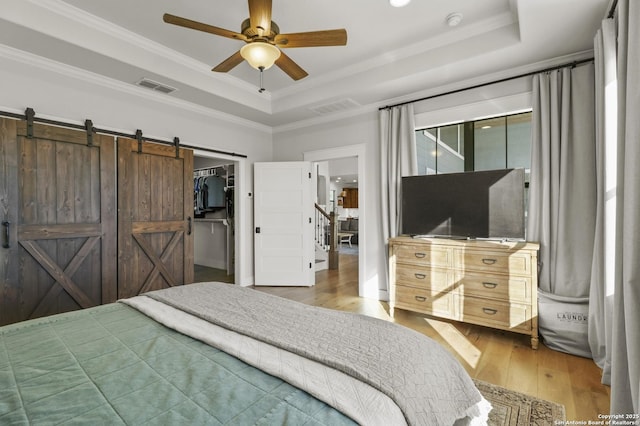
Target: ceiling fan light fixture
[[260, 54], [399, 3]]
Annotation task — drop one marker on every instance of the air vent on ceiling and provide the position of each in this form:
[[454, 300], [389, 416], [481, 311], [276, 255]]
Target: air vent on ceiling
[[332, 107], [154, 85]]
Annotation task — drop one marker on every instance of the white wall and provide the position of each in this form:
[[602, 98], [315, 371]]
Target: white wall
[[323, 175], [73, 96], [343, 166], [496, 99], [210, 244], [291, 145]]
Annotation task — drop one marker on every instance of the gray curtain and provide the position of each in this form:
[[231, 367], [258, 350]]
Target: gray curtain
[[603, 267], [614, 313], [398, 158], [625, 353], [562, 191]]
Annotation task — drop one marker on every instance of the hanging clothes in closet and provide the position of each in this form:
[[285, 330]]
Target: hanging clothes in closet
[[208, 192]]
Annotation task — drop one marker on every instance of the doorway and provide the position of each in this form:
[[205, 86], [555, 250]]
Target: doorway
[[356, 152], [337, 193], [215, 218]]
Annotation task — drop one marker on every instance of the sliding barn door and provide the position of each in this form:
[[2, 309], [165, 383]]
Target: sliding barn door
[[155, 210], [58, 233]]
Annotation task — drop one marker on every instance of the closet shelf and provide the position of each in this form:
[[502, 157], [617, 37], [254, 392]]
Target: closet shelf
[[224, 221]]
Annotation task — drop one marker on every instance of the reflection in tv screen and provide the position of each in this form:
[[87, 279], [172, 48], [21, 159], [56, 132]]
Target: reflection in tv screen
[[481, 204]]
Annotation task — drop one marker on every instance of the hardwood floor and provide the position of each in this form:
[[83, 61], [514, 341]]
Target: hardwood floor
[[497, 357], [205, 273]]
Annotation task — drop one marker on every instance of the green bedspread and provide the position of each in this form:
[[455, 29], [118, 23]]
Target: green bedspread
[[113, 365]]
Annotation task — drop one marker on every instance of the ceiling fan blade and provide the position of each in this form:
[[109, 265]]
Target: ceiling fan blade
[[194, 25], [292, 69], [260, 16], [229, 63], [312, 39]]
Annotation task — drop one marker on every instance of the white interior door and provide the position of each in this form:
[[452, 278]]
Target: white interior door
[[283, 233]]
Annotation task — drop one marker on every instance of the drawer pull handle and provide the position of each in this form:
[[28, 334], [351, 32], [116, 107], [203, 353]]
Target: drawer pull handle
[[420, 276], [488, 261], [489, 311], [421, 255], [421, 298], [489, 285]]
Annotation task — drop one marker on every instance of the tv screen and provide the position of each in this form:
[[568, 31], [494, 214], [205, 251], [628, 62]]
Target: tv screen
[[482, 204]]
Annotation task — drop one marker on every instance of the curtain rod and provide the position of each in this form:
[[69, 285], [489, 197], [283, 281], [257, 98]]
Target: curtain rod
[[502, 80], [114, 133]]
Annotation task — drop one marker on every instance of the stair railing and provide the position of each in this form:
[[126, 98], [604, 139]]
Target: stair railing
[[326, 234]]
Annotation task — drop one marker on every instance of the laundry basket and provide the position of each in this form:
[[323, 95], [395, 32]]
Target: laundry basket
[[562, 323]]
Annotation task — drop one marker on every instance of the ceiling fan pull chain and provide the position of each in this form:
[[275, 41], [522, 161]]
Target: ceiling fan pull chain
[[261, 81]]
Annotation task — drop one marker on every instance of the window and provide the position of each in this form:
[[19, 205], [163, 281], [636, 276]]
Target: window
[[488, 144], [440, 149]]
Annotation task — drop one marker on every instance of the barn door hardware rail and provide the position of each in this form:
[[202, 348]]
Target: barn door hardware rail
[[31, 118], [29, 115], [139, 139], [88, 124]]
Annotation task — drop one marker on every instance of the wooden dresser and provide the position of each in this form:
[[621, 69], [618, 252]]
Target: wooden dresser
[[489, 283]]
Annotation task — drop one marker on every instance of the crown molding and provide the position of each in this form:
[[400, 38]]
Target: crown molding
[[109, 29], [458, 85], [272, 102], [325, 119], [489, 78], [65, 70], [86, 19], [445, 39]]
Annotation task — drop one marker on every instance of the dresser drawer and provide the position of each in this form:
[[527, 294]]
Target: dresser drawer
[[425, 255], [428, 278], [495, 262], [489, 283], [426, 301], [496, 287], [508, 316]]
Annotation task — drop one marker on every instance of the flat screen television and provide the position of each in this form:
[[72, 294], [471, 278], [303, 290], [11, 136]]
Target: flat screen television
[[483, 204]]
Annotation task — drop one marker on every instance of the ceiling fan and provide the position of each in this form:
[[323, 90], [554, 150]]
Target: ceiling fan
[[264, 40]]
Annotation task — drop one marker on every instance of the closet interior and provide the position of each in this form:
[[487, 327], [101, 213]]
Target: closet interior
[[214, 228]]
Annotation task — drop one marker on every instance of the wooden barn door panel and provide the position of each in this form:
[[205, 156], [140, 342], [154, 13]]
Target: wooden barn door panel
[[58, 197], [155, 213]]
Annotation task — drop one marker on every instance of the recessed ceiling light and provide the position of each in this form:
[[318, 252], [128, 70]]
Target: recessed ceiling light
[[399, 3]]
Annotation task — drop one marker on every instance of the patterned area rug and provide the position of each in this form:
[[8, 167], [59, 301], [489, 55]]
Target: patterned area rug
[[512, 408]]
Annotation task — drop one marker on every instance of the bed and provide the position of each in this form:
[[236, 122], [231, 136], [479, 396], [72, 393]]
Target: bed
[[214, 353]]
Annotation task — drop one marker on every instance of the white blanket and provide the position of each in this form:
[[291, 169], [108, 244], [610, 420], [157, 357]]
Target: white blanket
[[359, 401], [425, 381]]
